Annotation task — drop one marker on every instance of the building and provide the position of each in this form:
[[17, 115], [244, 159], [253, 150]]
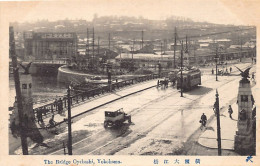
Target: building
[[49, 46], [147, 60]]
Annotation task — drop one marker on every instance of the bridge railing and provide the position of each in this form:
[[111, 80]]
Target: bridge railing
[[61, 61], [62, 104]]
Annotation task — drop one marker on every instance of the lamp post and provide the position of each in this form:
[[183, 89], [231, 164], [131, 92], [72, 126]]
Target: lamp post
[[218, 124], [109, 77], [22, 127], [69, 122], [181, 68]]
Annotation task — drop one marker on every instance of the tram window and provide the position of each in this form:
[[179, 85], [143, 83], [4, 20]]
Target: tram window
[[244, 98], [24, 86]]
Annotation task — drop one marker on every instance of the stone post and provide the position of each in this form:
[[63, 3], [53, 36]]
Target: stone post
[[244, 138]]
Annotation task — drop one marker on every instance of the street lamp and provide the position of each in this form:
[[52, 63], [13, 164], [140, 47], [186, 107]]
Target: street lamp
[[218, 123], [69, 122], [181, 68]]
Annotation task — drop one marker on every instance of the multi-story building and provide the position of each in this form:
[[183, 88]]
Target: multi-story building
[[50, 46]]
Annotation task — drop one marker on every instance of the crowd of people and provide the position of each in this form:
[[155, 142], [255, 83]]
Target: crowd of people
[[222, 71]]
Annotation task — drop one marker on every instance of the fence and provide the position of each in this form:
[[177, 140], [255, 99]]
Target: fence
[[84, 96]]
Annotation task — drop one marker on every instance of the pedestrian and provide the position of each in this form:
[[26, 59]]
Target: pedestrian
[[230, 111], [39, 115], [158, 82], [56, 104], [60, 107], [212, 71], [51, 121], [230, 69], [203, 120]]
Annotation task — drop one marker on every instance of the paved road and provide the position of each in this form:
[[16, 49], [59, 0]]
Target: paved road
[[162, 121]]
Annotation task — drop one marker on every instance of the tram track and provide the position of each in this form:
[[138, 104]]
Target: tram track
[[140, 134]]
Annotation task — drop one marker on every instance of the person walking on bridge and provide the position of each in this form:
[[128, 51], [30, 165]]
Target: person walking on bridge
[[60, 106], [230, 111], [203, 120]]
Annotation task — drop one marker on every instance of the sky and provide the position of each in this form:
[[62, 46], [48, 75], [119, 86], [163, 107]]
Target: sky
[[214, 11]]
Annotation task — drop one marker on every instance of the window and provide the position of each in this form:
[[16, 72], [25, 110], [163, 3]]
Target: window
[[244, 98], [24, 86]]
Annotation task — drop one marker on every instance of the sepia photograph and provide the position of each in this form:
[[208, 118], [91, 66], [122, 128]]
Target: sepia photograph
[[121, 82]]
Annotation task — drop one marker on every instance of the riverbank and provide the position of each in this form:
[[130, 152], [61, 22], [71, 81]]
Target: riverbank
[[67, 75]]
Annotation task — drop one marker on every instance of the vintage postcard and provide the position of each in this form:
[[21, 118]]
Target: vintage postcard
[[128, 82]]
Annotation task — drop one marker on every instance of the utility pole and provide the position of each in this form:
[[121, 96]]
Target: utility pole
[[142, 39], [216, 59], [98, 45], [133, 54], [195, 59], [133, 49], [18, 90], [218, 124], [161, 49], [181, 68], [186, 49], [109, 77], [120, 56], [88, 45], [174, 49], [69, 123], [109, 41], [241, 55], [93, 45], [166, 49]]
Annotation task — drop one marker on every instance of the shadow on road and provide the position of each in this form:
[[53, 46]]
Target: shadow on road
[[122, 130], [200, 90]]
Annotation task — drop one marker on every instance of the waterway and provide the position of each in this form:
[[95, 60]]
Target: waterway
[[44, 87]]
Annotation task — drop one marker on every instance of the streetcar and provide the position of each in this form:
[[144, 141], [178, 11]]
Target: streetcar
[[191, 78]]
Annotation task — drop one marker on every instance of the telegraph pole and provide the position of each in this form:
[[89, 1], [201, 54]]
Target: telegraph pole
[[181, 68], [93, 45], [109, 77], [186, 50], [109, 41], [216, 58], [88, 44], [161, 49], [165, 48], [218, 124], [133, 54], [69, 123], [174, 49], [18, 90], [241, 55], [142, 39], [133, 49], [98, 45]]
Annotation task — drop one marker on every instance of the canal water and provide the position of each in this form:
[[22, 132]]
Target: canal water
[[44, 87]]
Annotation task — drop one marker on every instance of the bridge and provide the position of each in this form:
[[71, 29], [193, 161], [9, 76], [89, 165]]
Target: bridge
[[51, 107], [46, 66]]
